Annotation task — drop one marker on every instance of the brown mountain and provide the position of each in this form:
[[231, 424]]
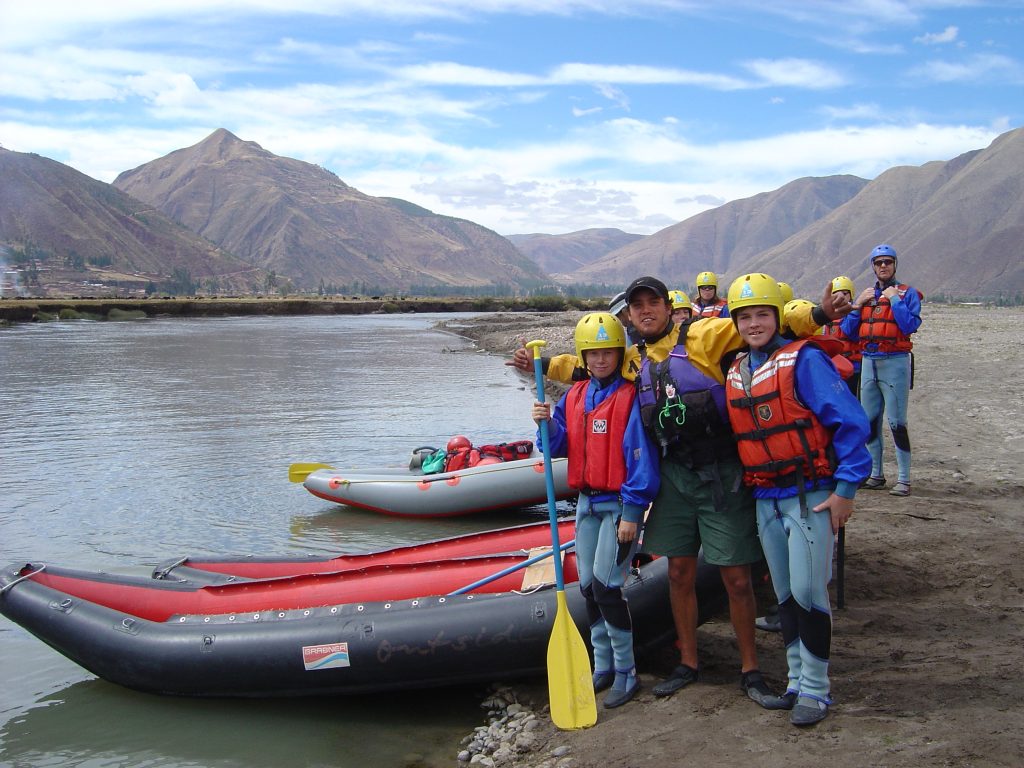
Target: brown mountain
[[305, 223], [561, 254], [958, 227], [56, 220], [726, 238]]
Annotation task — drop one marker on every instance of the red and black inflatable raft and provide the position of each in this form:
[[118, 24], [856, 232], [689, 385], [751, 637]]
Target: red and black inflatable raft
[[351, 624]]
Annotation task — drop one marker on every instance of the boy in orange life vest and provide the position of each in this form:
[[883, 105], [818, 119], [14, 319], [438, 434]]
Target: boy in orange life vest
[[615, 468], [885, 316], [801, 435]]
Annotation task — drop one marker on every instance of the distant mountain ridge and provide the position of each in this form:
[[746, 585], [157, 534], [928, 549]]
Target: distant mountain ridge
[[302, 221], [225, 215], [66, 223], [724, 239], [958, 226], [559, 255]]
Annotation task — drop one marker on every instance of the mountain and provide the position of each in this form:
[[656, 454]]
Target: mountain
[[560, 254], [303, 222], [958, 227], [725, 239], [71, 228]]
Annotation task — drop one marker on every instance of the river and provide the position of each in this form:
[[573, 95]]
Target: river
[[123, 444]]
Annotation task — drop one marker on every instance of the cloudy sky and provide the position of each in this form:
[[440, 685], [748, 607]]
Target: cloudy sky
[[522, 115]]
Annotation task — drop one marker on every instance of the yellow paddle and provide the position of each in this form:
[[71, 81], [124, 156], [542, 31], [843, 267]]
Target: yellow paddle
[[299, 471], [570, 680]]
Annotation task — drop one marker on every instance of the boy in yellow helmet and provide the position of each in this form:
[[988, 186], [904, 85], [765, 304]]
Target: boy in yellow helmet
[[614, 466], [801, 437]]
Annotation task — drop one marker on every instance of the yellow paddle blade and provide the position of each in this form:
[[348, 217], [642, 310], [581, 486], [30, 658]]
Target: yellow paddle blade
[[299, 471], [570, 681]]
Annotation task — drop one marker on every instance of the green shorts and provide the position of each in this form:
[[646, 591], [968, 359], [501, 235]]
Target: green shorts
[[685, 515]]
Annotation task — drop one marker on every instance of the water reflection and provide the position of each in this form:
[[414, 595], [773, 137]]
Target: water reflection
[[95, 723]]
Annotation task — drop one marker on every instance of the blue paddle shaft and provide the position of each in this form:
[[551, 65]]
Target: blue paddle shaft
[[549, 475], [511, 569]]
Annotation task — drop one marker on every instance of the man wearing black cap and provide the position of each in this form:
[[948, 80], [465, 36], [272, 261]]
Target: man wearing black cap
[[696, 472], [702, 501]]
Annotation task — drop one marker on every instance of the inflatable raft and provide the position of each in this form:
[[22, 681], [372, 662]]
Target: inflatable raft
[[410, 493], [277, 627]]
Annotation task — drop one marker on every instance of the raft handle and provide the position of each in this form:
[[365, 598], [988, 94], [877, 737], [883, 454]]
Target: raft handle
[[163, 572], [28, 575]]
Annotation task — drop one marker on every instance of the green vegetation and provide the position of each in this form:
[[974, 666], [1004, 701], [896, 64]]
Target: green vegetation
[[125, 314]]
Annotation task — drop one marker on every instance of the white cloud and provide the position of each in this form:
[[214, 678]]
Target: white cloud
[[979, 67], [795, 73], [577, 112], [623, 74], [867, 111], [948, 35], [613, 95]]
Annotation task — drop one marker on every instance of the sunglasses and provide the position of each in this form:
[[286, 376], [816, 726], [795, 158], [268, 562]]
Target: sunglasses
[[883, 262]]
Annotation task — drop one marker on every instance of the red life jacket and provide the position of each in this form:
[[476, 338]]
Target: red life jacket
[[595, 439], [851, 349], [711, 310], [878, 327], [780, 440], [461, 458]]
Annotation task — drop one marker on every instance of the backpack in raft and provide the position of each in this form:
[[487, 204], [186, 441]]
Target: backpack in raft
[[461, 454]]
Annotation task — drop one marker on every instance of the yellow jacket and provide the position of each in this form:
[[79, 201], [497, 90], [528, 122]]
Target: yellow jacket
[[708, 340]]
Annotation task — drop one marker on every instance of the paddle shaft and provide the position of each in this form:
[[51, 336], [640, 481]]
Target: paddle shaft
[[570, 687], [549, 473], [511, 569]]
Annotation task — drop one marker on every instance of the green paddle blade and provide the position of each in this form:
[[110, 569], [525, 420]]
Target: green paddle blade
[[570, 682]]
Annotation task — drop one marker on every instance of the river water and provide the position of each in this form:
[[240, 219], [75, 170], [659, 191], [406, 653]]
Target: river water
[[123, 444]]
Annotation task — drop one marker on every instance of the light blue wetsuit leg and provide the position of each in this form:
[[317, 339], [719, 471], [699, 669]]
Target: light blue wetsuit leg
[[799, 554], [605, 566], [588, 528], [885, 391]]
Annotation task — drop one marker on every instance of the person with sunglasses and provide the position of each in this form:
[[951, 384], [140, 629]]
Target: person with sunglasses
[[884, 317]]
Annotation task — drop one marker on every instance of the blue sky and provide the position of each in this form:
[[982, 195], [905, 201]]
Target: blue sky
[[522, 115]]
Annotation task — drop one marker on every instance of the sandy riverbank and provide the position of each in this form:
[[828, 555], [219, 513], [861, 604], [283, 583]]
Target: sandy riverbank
[[927, 659]]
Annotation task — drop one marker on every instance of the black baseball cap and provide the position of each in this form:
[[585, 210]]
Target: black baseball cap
[[651, 284]]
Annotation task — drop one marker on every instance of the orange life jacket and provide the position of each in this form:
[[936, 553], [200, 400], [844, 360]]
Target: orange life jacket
[[851, 349], [878, 326], [595, 439], [781, 442], [711, 310]]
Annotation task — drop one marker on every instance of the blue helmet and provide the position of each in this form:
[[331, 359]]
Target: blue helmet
[[882, 250]]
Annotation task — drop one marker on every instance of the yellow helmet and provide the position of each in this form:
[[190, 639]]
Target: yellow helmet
[[755, 290], [787, 292], [792, 306], [598, 330], [842, 283], [707, 278], [679, 300]]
